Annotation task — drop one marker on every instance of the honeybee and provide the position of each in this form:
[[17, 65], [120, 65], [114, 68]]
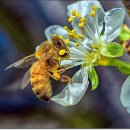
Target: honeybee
[[45, 63]]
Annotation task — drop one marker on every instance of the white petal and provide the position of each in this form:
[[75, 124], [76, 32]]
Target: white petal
[[81, 76], [87, 43], [71, 64], [85, 7], [125, 94], [37, 47], [99, 16], [79, 6], [113, 22], [66, 62], [55, 29], [74, 91]]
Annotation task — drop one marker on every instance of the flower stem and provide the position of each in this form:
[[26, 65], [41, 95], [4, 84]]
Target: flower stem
[[124, 67], [119, 63]]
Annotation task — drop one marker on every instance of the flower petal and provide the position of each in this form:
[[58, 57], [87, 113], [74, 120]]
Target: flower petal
[[55, 29], [81, 76], [113, 23], [125, 94], [79, 6], [74, 91], [93, 25], [98, 19]]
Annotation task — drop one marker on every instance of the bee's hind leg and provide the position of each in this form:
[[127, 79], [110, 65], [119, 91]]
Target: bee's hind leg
[[62, 78], [65, 78]]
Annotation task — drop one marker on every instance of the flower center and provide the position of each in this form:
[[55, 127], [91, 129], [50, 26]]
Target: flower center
[[95, 57]]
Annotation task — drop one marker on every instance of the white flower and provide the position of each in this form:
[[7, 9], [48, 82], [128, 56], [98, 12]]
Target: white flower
[[125, 94], [88, 41]]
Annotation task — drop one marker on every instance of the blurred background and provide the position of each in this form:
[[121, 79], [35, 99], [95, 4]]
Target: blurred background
[[22, 25]]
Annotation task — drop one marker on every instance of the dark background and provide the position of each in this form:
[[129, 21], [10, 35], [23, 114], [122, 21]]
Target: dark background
[[22, 24]]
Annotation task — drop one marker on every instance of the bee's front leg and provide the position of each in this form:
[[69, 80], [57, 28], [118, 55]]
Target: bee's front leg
[[61, 69]]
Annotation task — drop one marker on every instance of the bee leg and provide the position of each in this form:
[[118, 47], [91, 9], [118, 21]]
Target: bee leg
[[65, 78], [52, 75], [61, 69], [54, 61]]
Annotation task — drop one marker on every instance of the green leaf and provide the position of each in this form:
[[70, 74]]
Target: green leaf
[[124, 70], [93, 77], [112, 49], [124, 36]]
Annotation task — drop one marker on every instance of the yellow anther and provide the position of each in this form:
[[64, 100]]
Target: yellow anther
[[79, 35], [78, 15], [92, 13], [72, 30], [67, 41], [81, 24], [56, 76], [73, 12], [70, 19], [94, 7], [83, 20], [66, 28], [54, 35], [60, 37], [62, 52], [77, 44], [71, 34]]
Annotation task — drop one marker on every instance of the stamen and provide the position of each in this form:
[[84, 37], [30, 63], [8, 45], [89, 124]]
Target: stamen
[[79, 36], [54, 35], [72, 30], [70, 19], [60, 37], [81, 24], [68, 48], [77, 44], [56, 76], [92, 13], [71, 34], [78, 15], [66, 28], [62, 52], [73, 12], [94, 7], [67, 41], [83, 20]]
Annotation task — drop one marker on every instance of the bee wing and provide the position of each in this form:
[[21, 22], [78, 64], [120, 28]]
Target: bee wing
[[24, 62], [26, 79]]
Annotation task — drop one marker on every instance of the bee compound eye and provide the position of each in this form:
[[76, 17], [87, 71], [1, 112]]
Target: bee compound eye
[[57, 43], [65, 55]]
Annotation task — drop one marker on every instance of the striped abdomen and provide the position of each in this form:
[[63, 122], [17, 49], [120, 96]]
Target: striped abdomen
[[40, 81]]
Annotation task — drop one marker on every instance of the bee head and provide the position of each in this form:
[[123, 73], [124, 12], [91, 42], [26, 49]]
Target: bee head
[[59, 44]]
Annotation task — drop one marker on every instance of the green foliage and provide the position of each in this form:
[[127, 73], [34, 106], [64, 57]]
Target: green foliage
[[125, 34], [125, 70], [112, 49], [93, 77], [124, 67]]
